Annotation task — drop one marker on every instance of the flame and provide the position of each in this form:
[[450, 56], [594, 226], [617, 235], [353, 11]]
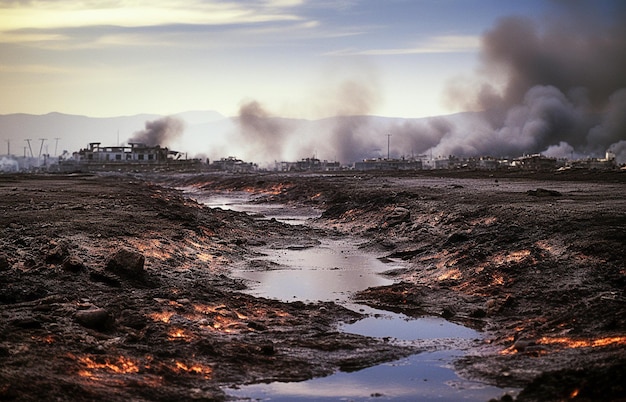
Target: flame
[[565, 342], [178, 334], [163, 316], [583, 343], [45, 339], [574, 394], [195, 368], [123, 365]]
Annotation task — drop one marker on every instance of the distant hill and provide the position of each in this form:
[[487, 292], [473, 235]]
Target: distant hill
[[75, 132], [208, 134]]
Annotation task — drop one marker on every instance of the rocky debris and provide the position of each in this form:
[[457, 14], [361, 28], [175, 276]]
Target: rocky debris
[[4, 263], [94, 318], [485, 256], [127, 263], [175, 327], [134, 302], [73, 264], [397, 216]]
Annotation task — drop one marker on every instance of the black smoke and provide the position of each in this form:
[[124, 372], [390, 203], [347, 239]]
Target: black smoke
[[551, 84], [160, 132]]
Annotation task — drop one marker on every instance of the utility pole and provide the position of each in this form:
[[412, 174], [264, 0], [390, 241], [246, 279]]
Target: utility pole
[[388, 137], [56, 146], [29, 147], [41, 147], [8, 147]]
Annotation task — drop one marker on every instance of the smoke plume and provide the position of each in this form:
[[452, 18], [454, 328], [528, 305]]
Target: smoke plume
[[545, 86], [346, 137], [261, 136], [160, 132]]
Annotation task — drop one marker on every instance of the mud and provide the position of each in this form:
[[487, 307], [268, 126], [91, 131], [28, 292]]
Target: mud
[[116, 287]]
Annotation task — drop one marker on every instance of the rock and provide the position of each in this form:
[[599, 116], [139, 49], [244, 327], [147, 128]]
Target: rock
[[104, 277], [397, 216], [447, 313], [541, 192], [257, 326], [457, 237], [127, 263], [26, 323], [73, 264], [56, 255], [95, 318], [4, 263], [521, 344]]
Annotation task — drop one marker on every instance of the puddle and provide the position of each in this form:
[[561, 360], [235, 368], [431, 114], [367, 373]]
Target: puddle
[[421, 377], [333, 271], [242, 201], [385, 324]]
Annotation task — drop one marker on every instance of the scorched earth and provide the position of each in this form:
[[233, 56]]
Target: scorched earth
[[116, 287]]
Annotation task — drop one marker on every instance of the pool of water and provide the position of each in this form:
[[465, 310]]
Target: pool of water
[[242, 201], [333, 271], [330, 271], [421, 377]]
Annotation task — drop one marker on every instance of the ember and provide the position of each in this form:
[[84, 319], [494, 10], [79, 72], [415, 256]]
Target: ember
[[583, 343], [162, 316], [123, 365], [178, 334], [195, 368]]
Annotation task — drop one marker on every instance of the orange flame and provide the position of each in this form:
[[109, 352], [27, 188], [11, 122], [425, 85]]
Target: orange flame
[[123, 365], [163, 316], [195, 368], [178, 334], [583, 343]]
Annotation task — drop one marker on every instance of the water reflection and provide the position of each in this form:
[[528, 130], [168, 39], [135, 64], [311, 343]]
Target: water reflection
[[422, 377], [333, 271], [328, 272], [385, 324]]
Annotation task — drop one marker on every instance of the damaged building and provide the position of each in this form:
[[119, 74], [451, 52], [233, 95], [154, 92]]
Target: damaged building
[[131, 157]]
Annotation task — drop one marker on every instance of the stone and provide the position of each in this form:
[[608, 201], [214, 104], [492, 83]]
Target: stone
[[397, 216], [4, 263], [73, 264], [127, 263], [94, 318]]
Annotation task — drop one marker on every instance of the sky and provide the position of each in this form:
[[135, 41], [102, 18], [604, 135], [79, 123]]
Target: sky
[[536, 76], [122, 57]]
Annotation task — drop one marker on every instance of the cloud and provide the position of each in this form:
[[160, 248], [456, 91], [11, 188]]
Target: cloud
[[436, 44], [140, 13]]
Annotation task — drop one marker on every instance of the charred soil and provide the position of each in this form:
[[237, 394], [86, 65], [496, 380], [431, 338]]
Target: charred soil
[[117, 287]]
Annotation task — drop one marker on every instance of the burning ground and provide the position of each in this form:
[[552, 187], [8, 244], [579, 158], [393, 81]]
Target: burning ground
[[114, 288], [535, 261]]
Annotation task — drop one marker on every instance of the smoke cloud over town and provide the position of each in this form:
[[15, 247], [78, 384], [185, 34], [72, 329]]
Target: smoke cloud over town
[[554, 86], [161, 132]]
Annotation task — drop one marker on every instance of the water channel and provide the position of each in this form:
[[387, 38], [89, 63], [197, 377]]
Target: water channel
[[332, 271]]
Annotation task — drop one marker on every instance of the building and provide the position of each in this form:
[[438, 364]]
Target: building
[[388, 164], [234, 165], [133, 157], [308, 165]]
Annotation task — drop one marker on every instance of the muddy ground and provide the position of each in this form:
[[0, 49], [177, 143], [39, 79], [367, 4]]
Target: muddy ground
[[116, 287]]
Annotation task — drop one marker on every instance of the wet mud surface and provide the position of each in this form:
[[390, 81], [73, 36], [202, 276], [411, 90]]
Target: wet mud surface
[[116, 287]]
